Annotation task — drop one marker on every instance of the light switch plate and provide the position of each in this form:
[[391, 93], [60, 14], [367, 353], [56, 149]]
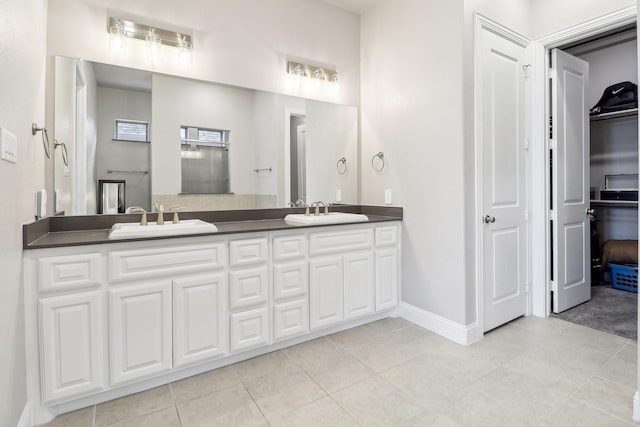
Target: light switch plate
[[8, 146], [387, 197], [338, 195]]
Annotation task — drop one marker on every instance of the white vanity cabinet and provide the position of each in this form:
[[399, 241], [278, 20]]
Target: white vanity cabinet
[[249, 292], [107, 320], [70, 324], [290, 285], [342, 285], [140, 336], [200, 318], [72, 346], [387, 263]]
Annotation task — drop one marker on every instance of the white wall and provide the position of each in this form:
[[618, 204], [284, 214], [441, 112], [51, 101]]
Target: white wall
[[412, 111], [549, 16], [22, 80], [242, 42], [124, 155]]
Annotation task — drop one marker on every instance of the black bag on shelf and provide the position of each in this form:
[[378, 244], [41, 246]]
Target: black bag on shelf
[[617, 97]]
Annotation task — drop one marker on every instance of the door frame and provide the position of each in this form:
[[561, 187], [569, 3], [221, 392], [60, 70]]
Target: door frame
[[288, 113], [484, 23], [540, 183]]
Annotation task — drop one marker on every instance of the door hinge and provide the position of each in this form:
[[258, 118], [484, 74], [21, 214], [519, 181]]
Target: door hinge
[[553, 285], [552, 73], [526, 215], [553, 144], [527, 69], [527, 287], [526, 144], [552, 216]]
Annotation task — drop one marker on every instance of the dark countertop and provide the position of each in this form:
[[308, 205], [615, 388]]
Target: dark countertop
[[54, 232]]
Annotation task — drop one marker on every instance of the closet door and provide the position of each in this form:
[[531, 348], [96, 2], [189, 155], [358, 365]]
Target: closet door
[[571, 283], [501, 85]]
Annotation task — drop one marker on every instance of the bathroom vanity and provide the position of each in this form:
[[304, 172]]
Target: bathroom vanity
[[107, 318]]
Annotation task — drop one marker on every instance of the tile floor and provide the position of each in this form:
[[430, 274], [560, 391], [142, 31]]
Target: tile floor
[[531, 372]]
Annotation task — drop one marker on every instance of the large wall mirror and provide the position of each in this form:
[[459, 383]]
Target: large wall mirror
[[195, 144]]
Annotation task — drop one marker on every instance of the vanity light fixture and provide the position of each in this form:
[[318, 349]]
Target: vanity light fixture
[[297, 69], [122, 29], [117, 36]]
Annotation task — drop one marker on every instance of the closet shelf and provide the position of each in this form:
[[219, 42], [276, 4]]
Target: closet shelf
[[614, 204], [615, 115]]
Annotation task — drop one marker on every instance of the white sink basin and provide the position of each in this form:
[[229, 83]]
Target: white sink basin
[[332, 218], [133, 230]]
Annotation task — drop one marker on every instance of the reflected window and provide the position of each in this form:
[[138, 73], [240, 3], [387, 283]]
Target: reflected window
[[131, 130], [205, 160]]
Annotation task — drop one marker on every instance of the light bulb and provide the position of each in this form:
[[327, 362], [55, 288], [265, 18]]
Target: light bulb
[[154, 42]]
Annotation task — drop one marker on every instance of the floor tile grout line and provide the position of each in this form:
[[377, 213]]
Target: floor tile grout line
[[345, 410], [602, 410], [94, 415], [254, 402]]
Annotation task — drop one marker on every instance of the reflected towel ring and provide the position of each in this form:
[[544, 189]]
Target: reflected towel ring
[[380, 156], [65, 154], [45, 138], [342, 166]]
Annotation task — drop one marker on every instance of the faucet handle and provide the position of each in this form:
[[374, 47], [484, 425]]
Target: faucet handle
[[175, 211]]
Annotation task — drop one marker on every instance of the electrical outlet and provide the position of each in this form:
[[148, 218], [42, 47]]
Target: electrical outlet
[[387, 197], [8, 146]]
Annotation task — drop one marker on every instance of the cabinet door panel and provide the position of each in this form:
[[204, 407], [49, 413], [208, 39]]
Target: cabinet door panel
[[290, 280], [139, 264], [325, 292], [290, 319], [249, 329], [248, 252], [359, 285], [69, 272], [200, 319], [140, 330], [387, 278], [287, 248], [248, 287], [71, 346]]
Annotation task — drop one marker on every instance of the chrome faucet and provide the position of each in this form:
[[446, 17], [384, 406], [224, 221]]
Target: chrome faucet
[[160, 210], [317, 205], [134, 209]]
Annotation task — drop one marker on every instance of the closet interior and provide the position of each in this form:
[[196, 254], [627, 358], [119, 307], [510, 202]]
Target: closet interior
[[612, 61]]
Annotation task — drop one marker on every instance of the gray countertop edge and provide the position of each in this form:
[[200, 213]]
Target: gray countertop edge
[[53, 232]]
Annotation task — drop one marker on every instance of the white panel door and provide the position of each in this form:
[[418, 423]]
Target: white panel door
[[359, 285], [570, 182], [502, 124], [387, 278], [140, 331], [72, 346], [200, 319], [325, 292]]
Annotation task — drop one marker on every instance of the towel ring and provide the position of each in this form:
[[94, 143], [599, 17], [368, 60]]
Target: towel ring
[[380, 156], [342, 166], [45, 138], [65, 154]]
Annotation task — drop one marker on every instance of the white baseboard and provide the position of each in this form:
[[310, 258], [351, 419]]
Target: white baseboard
[[26, 419], [636, 406], [461, 334]]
